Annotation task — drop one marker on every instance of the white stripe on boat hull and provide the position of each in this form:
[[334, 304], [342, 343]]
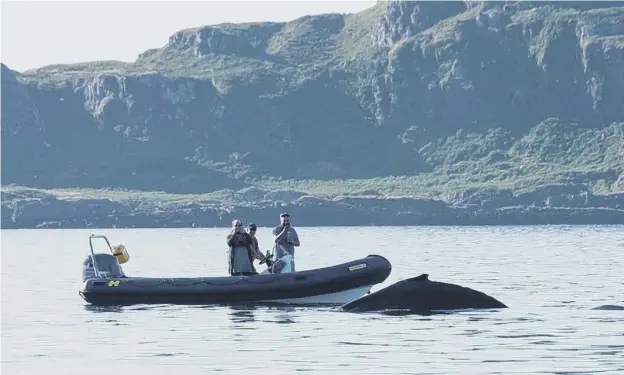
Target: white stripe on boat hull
[[338, 298]]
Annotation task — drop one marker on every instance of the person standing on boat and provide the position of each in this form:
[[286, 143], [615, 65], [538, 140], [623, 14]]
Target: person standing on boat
[[286, 239], [257, 254], [241, 251]]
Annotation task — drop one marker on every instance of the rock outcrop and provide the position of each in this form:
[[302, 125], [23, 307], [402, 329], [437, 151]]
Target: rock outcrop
[[549, 205]]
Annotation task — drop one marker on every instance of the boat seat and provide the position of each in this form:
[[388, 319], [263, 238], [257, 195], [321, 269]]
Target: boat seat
[[107, 266]]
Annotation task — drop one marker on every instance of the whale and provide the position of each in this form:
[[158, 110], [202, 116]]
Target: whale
[[419, 295]]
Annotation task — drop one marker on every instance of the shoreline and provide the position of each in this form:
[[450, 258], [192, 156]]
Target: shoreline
[[620, 224], [543, 206], [331, 217]]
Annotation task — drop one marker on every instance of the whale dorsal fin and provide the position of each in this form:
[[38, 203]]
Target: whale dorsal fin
[[423, 277]]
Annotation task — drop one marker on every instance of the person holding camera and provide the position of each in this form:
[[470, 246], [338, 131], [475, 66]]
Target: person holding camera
[[241, 251], [286, 239]]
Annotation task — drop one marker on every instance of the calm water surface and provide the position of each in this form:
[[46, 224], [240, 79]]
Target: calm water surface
[[551, 277]]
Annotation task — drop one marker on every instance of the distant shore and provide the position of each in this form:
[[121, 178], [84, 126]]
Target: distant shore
[[537, 208]]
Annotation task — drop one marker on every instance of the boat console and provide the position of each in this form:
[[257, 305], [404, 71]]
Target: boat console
[[103, 265]]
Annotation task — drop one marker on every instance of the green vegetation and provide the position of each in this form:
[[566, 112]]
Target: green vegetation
[[117, 195], [551, 153], [401, 100]]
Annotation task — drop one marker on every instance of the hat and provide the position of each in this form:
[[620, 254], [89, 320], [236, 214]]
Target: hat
[[252, 226], [237, 222]]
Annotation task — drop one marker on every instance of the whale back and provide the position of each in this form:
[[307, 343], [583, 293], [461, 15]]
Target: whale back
[[419, 294], [423, 277]]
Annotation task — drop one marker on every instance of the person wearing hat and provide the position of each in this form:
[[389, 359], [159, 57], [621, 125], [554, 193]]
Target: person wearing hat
[[240, 259], [257, 254]]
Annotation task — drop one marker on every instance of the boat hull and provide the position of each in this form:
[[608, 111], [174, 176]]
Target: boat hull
[[338, 298], [333, 285]]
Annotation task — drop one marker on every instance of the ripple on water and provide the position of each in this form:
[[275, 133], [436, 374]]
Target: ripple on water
[[609, 308], [556, 324]]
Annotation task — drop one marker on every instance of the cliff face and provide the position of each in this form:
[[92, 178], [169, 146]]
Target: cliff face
[[507, 67], [325, 97]]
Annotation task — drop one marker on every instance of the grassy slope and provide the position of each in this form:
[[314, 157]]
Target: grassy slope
[[550, 153]]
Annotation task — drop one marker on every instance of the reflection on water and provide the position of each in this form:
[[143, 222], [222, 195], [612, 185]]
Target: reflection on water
[[103, 309], [245, 313], [286, 317], [242, 313]]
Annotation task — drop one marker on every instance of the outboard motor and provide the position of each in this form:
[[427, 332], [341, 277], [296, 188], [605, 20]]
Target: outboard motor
[[285, 264], [107, 266]]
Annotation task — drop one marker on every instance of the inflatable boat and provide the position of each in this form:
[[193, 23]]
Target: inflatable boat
[[104, 283]]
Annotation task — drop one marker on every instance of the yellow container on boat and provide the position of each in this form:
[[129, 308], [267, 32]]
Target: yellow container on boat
[[120, 252]]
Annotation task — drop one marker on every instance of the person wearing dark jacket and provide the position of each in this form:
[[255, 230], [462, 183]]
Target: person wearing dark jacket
[[241, 252], [257, 254]]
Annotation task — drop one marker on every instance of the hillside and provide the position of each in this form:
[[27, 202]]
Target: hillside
[[405, 113]]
